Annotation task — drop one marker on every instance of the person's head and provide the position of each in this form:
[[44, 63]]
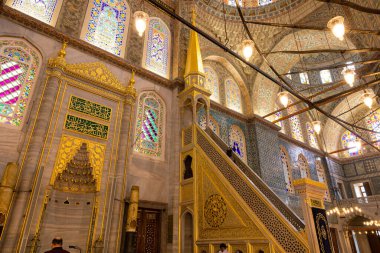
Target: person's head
[[56, 242], [223, 246]]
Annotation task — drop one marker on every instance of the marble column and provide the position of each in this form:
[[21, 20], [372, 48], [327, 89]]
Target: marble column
[[116, 200], [15, 236]]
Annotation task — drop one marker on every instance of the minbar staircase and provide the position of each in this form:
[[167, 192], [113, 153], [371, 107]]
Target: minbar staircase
[[277, 222]]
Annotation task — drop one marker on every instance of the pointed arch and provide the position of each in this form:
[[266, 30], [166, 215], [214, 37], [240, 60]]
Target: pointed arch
[[150, 125], [156, 56], [295, 123], [20, 64], [237, 141], [322, 178], [287, 169], [313, 141], [303, 165], [106, 25], [233, 95], [212, 83], [46, 11]]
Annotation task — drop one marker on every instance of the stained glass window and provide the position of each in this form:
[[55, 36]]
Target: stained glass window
[[19, 66], [304, 78], [311, 136], [213, 124], [264, 2], [233, 96], [44, 10], [322, 178], [233, 3], [157, 46], [212, 83], [373, 123], [277, 116], [150, 124], [349, 140], [295, 124], [237, 141], [325, 76], [289, 76], [287, 170], [106, 25], [303, 165]]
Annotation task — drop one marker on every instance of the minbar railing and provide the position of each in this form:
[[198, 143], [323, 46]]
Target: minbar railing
[[260, 184]]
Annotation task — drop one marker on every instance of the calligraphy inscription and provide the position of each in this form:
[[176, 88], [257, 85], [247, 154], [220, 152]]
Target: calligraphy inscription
[[89, 108], [85, 126]]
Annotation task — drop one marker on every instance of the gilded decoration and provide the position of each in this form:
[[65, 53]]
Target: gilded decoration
[[90, 108], [69, 146], [87, 127], [236, 223], [215, 210]]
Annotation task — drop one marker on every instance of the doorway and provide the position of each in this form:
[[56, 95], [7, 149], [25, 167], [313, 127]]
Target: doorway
[[187, 233], [148, 231]]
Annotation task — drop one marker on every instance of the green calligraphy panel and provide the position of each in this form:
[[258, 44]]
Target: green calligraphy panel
[[85, 126], [89, 108]]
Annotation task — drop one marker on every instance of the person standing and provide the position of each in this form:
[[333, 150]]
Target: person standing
[[56, 246], [223, 248]]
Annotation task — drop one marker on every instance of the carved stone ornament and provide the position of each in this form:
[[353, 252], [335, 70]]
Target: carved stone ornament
[[215, 210]]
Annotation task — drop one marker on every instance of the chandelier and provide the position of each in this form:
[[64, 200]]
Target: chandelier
[[344, 210]]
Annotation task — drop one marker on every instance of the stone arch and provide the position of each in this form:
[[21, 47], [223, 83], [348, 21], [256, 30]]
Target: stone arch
[[303, 166]]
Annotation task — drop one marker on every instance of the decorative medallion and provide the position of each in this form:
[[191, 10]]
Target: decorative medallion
[[215, 210]]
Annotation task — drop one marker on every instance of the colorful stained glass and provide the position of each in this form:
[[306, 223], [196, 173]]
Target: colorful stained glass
[[150, 124], [19, 65], [237, 141], [264, 2], [233, 3], [295, 124], [322, 178], [43, 10], [311, 136], [277, 116], [233, 96], [106, 25], [303, 166], [157, 46], [212, 83], [349, 140], [373, 123], [213, 124], [304, 78], [325, 76], [287, 170]]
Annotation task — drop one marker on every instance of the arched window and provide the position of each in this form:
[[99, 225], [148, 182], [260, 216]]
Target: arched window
[[295, 124], [287, 170], [237, 141], [46, 11], [212, 83], [213, 124], [233, 96], [311, 136], [303, 165], [322, 178], [349, 140], [325, 76], [150, 124], [304, 78], [106, 25], [233, 3], [157, 47], [277, 116], [264, 2], [373, 123], [20, 64]]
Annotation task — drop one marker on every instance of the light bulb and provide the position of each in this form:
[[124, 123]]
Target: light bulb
[[141, 19], [317, 126], [283, 96], [247, 49], [367, 99], [336, 25], [349, 76]]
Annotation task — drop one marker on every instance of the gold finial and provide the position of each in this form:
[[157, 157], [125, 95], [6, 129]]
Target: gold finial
[[193, 16], [132, 80], [62, 52]]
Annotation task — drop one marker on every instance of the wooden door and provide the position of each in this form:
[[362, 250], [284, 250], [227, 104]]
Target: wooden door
[[148, 231]]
